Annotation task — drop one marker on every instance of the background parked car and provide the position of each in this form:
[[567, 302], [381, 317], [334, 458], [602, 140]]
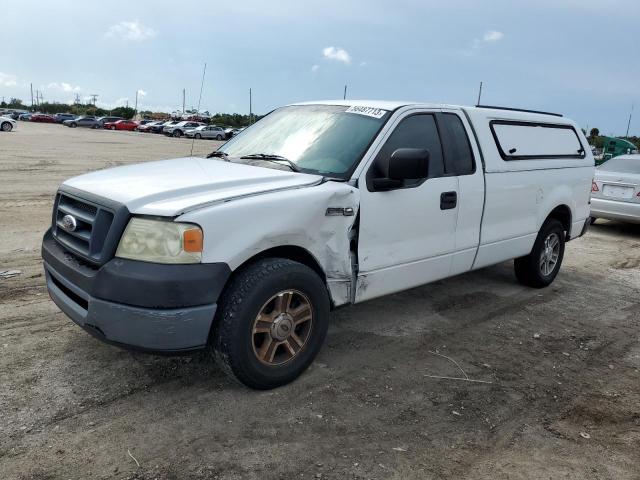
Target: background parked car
[[147, 127], [86, 122], [615, 192], [159, 127], [42, 118], [104, 120], [61, 117], [204, 131], [129, 125], [179, 128], [25, 117], [7, 124]]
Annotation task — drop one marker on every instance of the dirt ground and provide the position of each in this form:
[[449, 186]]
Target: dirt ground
[[560, 366]]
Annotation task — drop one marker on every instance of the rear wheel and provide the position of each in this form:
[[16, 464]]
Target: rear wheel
[[7, 126], [540, 267], [219, 137], [198, 136], [271, 323], [73, 125]]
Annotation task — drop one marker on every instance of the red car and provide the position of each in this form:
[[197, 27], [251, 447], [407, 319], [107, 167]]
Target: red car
[[42, 117], [122, 125]]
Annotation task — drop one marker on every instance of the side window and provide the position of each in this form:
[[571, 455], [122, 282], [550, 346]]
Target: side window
[[416, 131], [458, 156]]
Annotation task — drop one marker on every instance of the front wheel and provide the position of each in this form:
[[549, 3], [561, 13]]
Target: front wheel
[[113, 127], [7, 127], [219, 137], [73, 125], [198, 136], [271, 323], [540, 267], [177, 133]]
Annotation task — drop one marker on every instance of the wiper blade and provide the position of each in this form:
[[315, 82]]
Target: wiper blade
[[218, 154], [267, 157]]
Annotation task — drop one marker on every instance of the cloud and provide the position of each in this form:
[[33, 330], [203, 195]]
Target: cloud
[[363, 64], [492, 36], [8, 80], [315, 68], [338, 54], [130, 31], [142, 93], [63, 86]]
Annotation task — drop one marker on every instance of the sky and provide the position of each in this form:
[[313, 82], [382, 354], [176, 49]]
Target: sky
[[576, 57]]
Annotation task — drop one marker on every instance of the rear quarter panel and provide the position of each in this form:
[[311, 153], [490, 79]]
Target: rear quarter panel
[[520, 194]]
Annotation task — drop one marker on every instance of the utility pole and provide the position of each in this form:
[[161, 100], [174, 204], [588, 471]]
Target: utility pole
[[629, 122], [94, 97], [135, 110], [31, 84], [344, 95], [183, 97], [479, 94], [250, 108]]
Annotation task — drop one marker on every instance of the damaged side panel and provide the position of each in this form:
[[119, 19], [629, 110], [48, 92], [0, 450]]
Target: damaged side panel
[[237, 230]]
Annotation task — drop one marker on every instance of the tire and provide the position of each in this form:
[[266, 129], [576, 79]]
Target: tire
[[73, 125], [262, 286], [177, 133], [219, 137], [6, 126], [537, 269], [113, 127], [592, 220], [198, 136]]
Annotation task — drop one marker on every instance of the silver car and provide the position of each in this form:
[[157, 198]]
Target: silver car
[[207, 131], [87, 122], [615, 193]]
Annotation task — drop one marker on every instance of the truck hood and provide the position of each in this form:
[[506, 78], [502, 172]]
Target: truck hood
[[173, 187]]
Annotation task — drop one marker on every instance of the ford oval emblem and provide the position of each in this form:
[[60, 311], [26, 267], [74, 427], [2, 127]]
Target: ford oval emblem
[[69, 223]]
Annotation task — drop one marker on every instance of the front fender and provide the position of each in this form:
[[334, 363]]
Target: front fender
[[237, 230]]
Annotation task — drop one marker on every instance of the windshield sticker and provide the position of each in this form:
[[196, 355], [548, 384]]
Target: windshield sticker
[[368, 111]]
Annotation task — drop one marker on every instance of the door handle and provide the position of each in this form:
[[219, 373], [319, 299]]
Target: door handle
[[448, 200]]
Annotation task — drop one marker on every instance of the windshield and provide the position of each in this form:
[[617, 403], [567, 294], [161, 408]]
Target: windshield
[[324, 139]]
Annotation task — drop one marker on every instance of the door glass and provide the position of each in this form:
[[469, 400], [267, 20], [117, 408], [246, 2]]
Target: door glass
[[416, 131]]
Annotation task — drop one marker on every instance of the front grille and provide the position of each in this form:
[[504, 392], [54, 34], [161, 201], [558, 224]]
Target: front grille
[[92, 226]]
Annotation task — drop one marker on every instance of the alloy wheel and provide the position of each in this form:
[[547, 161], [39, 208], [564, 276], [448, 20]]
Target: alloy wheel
[[282, 328], [550, 254]]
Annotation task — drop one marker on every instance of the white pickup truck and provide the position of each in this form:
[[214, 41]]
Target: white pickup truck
[[315, 206]]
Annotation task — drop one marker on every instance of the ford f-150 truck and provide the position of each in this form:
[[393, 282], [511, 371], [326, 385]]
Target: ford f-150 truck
[[315, 206]]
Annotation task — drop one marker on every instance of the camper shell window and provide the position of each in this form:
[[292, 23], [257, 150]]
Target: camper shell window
[[532, 140]]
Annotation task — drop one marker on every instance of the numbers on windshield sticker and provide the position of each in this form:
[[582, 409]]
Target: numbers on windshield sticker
[[368, 111]]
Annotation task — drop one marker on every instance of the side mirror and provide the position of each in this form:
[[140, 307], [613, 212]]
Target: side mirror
[[404, 164]]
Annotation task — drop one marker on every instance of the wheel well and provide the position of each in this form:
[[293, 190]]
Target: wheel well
[[562, 213], [291, 252]]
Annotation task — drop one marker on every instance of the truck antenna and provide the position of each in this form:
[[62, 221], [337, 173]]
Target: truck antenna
[[204, 70]]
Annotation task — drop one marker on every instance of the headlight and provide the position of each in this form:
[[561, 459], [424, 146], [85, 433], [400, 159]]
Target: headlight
[[161, 241]]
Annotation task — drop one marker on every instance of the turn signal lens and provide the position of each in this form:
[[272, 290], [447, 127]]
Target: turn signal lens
[[594, 187], [192, 240]]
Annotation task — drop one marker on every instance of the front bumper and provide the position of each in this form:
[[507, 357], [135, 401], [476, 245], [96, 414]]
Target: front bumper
[[615, 210], [145, 306]]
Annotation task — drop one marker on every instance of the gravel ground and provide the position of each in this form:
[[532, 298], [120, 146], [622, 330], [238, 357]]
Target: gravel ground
[[559, 395]]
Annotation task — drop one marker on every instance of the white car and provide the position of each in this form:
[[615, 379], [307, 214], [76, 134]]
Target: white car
[[206, 131], [180, 128], [315, 206], [615, 193], [7, 124]]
